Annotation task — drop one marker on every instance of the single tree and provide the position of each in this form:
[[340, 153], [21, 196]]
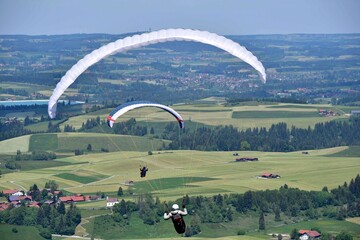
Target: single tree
[[277, 215], [120, 192], [61, 208], [262, 221]]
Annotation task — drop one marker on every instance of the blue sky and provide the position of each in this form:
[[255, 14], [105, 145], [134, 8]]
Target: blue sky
[[240, 17]]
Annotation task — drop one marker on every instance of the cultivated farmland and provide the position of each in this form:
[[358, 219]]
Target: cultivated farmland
[[173, 174], [214, 113]]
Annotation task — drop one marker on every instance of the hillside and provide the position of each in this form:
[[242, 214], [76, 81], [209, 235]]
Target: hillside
[[173, 174]]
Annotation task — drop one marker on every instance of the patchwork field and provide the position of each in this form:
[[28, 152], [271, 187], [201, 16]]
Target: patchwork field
[[14, 144], [68, 142], [213, 112], [173, 174]]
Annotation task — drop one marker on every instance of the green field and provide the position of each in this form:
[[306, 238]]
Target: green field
[[167, 183], [274, 114], [43, 142], [23, 232], [14, 144], [87, 178], [173, 174], [352, 151], [32, 165]]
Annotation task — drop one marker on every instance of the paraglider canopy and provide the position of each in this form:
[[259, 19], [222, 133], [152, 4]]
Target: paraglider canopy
[[145, 39], [122, 109]]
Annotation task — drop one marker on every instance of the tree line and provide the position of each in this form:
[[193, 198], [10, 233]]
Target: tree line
[[278, 138], [12, 129]]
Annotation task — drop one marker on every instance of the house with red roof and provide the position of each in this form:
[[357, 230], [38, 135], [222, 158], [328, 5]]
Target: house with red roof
[[76, 198], [269, 175], [266, 175], [15, 203], [309, 234], [110, 202], [15, 192], [66, 199], [4, 206], [34, 204]]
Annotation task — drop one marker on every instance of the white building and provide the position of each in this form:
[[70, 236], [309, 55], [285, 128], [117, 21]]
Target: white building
[[110, 202]]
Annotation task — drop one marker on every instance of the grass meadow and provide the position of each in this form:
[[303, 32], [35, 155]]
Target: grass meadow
[[12, 145], [22, 232], [173, 174]]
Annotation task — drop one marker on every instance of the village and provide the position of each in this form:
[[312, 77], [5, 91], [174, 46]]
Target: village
[[17, 198]]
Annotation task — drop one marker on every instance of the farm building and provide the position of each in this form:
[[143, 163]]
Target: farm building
[[269, 175], [129, 183], [246, 159], [110, 202], [76, 198], [327, 113], [34, 204], [355, 113], [95, 197], [13, 198], [309, 234], [13, 192]]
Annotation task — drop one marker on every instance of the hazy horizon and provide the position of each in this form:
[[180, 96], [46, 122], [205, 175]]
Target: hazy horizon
[[227, 17]]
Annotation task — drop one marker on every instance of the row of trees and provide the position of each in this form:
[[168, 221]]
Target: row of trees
[[129, 128], [11, 129], [35, 155], [278, 138]]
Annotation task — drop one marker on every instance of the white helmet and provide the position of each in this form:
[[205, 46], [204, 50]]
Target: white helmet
[[175, 206]]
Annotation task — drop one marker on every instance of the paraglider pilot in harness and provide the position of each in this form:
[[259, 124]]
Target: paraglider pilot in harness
[[143, 171], [176, 216]]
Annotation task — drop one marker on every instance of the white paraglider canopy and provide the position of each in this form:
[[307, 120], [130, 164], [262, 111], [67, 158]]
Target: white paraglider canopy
[[145, 39], [122, 109]]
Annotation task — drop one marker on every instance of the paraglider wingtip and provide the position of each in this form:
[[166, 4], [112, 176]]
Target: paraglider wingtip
[[263, 79], [51, 115]]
